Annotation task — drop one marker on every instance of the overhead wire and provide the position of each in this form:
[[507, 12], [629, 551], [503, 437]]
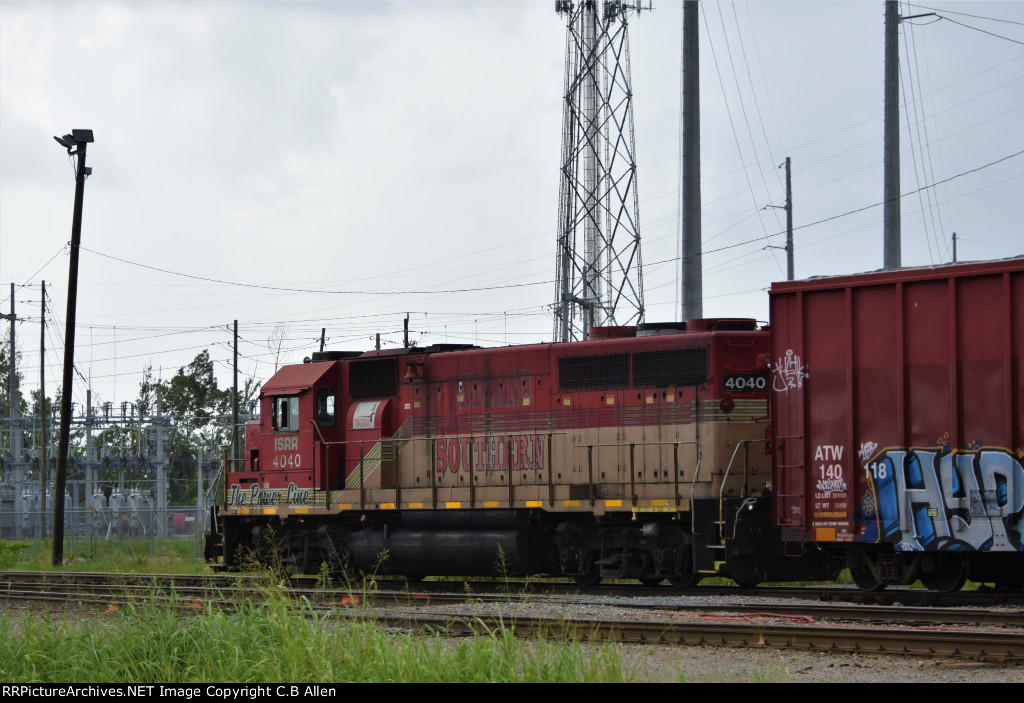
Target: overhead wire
[[909, 105], [983, 31], [314, 290], [965, 14], [757, 105], [710, 251], [37, 271], [732, 124], [868, 207], [938, 230]]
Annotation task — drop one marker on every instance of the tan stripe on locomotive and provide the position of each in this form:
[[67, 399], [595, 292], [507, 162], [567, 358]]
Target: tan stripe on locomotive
[[587, 469]]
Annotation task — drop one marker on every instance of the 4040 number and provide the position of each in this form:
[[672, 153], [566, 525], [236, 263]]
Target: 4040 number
[[287, 461], [745, 382]]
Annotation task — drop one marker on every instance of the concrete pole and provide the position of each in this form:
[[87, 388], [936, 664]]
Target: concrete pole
[[692, 284], [891, 214]]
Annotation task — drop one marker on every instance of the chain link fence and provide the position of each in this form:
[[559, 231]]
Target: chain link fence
[[126, 528]]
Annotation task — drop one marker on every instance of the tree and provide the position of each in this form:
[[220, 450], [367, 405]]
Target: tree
[[5, 390], [275, 343], [200, 415]]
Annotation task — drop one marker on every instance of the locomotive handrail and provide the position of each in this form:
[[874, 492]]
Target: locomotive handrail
[[327, 460], [574, 446], [725, 478]]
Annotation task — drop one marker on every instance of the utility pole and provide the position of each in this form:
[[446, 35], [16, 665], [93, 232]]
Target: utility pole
[[891, 146], [78, 139], [161, 468], [954, 247], [406, 334], [234, 408], [692, 275], [13, 396], [42, 415], [788, 207], [789, 222]]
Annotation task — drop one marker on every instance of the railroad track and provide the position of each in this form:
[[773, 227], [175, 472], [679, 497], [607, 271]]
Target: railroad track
[[662, 617], [983, 597]]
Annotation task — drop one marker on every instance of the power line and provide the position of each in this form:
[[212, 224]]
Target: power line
[[964, 14], [313, 290], [978, 29], [867, 207], [37, 272]]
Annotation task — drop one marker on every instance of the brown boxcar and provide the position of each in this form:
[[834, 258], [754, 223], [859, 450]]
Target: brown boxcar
[[898, 428]]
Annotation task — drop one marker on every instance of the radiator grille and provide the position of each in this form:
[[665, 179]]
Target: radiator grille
[[368, 379], [670, 367], [604, 372]]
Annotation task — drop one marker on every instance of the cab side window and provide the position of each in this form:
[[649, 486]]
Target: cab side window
[[285, 411], [325, 407]]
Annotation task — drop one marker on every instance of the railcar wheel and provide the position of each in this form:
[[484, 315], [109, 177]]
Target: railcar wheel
[[590, 576], [685, 580], [1011, 584], [946, 575], [865, 580]]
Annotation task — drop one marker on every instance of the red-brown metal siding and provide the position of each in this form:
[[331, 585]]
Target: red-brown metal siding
[[896, 403]]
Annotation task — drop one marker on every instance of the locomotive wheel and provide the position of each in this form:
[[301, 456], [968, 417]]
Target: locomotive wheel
[[946, 576], [590, 573], [685, 580]]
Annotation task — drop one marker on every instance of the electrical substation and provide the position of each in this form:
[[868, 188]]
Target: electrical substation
[[119, 489]]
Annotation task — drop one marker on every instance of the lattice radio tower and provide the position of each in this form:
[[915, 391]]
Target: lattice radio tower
[[599, 276]]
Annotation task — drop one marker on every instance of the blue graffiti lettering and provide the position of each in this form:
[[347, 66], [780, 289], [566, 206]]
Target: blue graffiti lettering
[[936, 499]]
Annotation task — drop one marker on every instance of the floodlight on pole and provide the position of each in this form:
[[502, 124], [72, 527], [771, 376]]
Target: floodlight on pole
[[78, 138]]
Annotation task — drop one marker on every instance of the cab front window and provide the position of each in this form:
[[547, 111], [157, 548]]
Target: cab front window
[[285, 411]]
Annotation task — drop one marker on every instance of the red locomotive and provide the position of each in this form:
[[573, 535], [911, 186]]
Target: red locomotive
[[664, 452]]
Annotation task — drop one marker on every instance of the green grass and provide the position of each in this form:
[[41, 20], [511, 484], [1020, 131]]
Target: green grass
[[275, 641], [128, 555]]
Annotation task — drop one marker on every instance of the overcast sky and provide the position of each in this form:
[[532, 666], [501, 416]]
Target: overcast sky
[[374, 157]]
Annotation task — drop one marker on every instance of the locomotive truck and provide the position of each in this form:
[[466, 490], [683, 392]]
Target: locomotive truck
[[874, 424]]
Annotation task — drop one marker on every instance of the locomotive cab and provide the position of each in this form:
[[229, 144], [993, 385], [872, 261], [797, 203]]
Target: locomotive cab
[[288, 459]]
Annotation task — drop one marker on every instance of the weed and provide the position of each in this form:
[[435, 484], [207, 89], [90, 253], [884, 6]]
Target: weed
[[10, 552], [323, 579], [273, 639]]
